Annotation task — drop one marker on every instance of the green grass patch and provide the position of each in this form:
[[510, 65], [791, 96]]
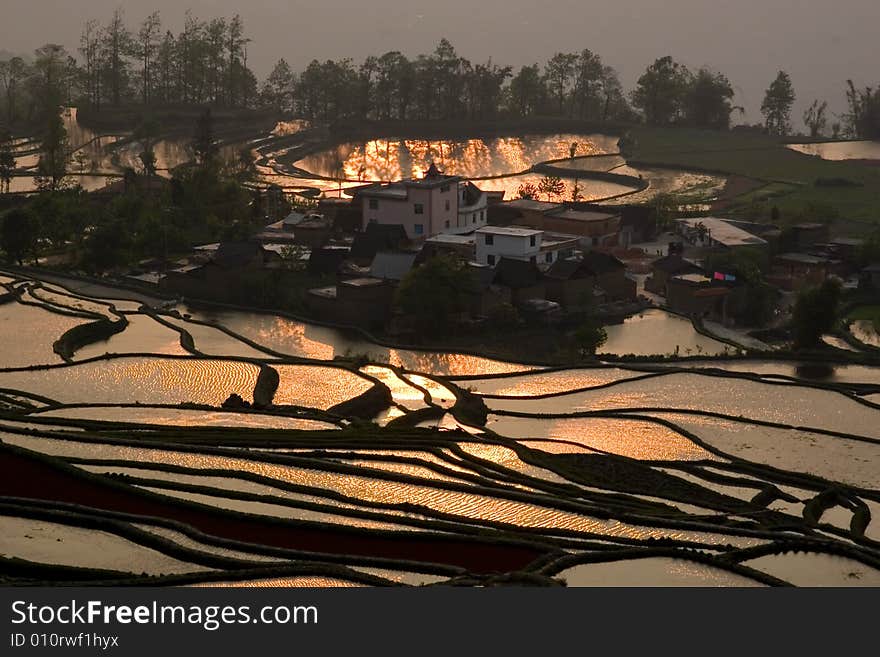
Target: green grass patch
[[765, 158]]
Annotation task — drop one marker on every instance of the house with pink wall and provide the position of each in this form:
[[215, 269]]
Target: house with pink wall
[[433, 205]]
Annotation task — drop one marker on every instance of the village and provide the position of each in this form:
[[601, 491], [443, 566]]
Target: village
[[519, 262]]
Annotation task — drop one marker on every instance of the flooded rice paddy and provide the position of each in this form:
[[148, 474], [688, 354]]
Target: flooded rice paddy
[[841, 150], [501, 163], [163, 451]]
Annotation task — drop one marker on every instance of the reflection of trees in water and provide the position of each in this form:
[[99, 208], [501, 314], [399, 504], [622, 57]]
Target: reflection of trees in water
[[396, 158]]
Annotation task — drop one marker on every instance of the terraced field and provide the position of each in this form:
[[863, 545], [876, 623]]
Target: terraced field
[[238, 449]]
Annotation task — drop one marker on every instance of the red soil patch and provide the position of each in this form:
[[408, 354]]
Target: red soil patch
[[37, 479]]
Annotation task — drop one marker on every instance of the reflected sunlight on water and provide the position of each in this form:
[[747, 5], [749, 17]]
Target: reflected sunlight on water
[[635, 439], [145, 380], [27, 334], [317, 387], [788, 404], [396, 158], [656, 332]]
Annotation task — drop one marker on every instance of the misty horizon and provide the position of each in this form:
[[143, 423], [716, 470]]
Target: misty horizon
[[836, 44]]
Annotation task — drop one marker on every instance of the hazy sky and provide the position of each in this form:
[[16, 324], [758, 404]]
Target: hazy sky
[[819, 43]]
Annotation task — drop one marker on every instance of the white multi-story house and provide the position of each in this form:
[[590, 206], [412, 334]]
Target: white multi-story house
[[433, 205], [519, 243]]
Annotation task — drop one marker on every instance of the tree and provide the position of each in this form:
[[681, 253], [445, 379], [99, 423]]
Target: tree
[[528, 190], [204, 146], [146, 133], [18, 234], [147, 46], [12, 73], [526, 91], [589, 337], [815, 118], [776, 108], [434, 293], [589, 82], [551, 186], [863, 117], [277, 91], [7, 163], [815, 313], [708, 103], [660, 91], [52, 165], [665, 206], [559, 75], [117, 43]]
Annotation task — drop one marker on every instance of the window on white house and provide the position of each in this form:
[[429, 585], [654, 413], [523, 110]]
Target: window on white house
[[532, 241], [444, 189], [374, 204], [482, 215], [447, 224], [447, 206], [419, 229], [533, 260], [490, 259], [548, 257], [473, 218], [418, 208], [490, 240]]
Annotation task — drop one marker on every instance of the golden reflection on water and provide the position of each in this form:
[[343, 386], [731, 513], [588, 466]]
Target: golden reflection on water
[[144, 380], [142, 335], [396, 158], [834, 458], [469, 505], [187, 418], [635, 439], [317, 387], [581, 189], [27, 334], [401, 391], [440, 394], [785, 404], [58, 298], [295, 338], [547, 383], [214, 342], [656, 332]]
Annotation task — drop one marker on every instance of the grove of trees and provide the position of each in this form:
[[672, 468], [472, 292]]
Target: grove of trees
[[205, 62]]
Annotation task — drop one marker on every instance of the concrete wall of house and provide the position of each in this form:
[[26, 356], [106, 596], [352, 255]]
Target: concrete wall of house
[[443, 207], [435, 216], [470, 217], [515, 247]]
